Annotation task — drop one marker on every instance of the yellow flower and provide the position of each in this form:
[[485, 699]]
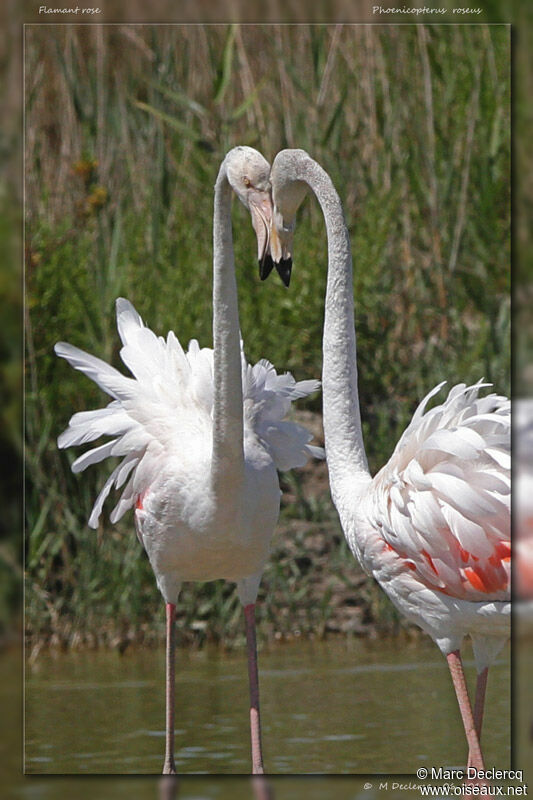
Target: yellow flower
[[97, 199]]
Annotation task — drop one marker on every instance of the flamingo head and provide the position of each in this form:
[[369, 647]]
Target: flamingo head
[[248, 174]]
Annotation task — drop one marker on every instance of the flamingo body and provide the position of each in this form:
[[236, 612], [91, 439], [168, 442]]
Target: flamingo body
[[161, 425], [433, 525]]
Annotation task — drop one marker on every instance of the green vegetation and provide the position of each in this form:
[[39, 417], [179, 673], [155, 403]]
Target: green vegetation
[[125, 130]]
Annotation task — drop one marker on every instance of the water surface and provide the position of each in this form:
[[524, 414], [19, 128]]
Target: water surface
[[327, 707]]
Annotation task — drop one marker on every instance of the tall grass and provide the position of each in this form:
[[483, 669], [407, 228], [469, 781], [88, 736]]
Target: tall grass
[[125, 129]]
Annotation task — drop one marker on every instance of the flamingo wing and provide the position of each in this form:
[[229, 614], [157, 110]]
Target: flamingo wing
[[268, 398], [442, 503], [152, 414], [165, 409]]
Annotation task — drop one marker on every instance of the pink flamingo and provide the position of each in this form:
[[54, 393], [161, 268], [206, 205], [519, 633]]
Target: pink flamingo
[[201, 435], [433, 525]]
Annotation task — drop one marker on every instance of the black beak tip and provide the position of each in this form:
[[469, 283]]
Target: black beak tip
[[266, 266], [284, 269]]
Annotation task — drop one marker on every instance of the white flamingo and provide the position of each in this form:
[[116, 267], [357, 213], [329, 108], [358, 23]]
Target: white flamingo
[[201, 436], [433, 525]]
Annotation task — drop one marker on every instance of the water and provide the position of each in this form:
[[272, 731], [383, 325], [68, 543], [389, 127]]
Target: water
[[327, 707]]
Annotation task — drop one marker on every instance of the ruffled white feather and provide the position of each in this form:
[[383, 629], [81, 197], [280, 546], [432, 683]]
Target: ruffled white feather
[[442, 502], [165, 410]]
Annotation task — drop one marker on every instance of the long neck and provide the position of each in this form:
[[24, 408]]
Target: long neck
[[345, 449], [227, 466]]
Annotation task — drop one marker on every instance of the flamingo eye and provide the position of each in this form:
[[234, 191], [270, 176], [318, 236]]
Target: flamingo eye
[[247, 181]]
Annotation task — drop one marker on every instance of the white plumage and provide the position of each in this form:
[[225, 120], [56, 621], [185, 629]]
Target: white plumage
[[166, 410], [433, 526], [442, 500]]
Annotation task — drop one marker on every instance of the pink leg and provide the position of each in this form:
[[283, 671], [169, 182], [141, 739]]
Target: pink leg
[[169, 767], [261, 788], [255, 721], [479, 705], [168, 788], [475, 758]]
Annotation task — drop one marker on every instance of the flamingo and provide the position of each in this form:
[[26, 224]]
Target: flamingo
[[201, 436], [433, 525]]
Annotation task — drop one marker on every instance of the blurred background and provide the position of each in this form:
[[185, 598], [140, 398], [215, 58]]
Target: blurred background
[[124, 135]]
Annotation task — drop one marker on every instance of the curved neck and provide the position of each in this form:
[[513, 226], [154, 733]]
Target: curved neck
[[345, 449], [227, 466]]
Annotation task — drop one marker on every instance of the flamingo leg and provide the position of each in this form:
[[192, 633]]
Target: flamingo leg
[[255, 720], [169, 767], [168, 788], [475, 757], [479, 705], [261, 788]]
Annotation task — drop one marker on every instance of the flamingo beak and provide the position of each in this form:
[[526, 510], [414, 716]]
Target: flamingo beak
[[269, 247], [280, 249], [280, 256], [260, 206]]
